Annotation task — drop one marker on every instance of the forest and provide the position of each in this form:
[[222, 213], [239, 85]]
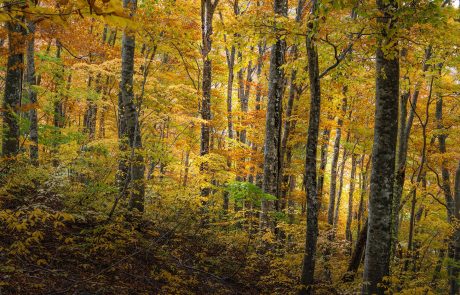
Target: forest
[[230, 147]]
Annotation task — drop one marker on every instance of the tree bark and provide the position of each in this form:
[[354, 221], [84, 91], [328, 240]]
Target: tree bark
[[289, 123], [378, 245], [272, 147], [207, 13], [452, 207], [454, 287], [32, 94], [348, 234], [325, 136], [308, 265], [13, 88], [363, 189], [404, 129], [357, 254], [339, 192], [131, 167], [335, 160]]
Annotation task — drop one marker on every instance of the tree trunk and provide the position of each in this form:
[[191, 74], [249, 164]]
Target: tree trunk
[[335, 160], [131, 165], [308, 265], [13, 88], [326, 134], [348, 233], [89, 121], [289, 123], [451, 205], [404, 128], [378, 245], [59, 115], [339, 192], [454, 287], [207, 13], [230, 64], [363, 188], [32, 94], [272, 147], [357, 254]]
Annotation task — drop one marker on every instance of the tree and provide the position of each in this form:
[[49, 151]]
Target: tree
[[32, 93], [131, 166], [208, 8], [377, 257], [308, 265], [273, 118], [13, 87]]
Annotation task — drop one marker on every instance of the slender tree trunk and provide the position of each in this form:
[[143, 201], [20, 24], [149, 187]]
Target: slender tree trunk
[[335, 160], [230, 65], [89, 121], [339, 192], [308, 265], [404, 129], [378, 245], [105, 93], [363, 189], [357, 254], [131, 166], [451, 205], [325, 136], [258, 105], [286, 154], [289, 123], [59, 114], [32, 94], [454, 286], [272, 148], [351, 191], [13, 88], [207, 13]]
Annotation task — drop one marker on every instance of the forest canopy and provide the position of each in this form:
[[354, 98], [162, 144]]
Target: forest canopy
[[230, 147]]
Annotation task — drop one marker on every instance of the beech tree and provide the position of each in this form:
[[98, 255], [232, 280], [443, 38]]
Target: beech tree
[[131, 166], [13, 86], [377, 256], [272, 147]]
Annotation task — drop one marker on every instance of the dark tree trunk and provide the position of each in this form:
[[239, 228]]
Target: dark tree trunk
[[258, 177], [243, 95], [90, 116], [363, 189], [207, 13], [339, 191], [325, 136], [289, 126], [452, 207], [105, 93], [32, 94], [230, 64], [335, 160], [131, 165], [351, 191], [378, 246], [59, 114], [308, 265], [272, 149], [454, 287], [357, 254], [13, 88]]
